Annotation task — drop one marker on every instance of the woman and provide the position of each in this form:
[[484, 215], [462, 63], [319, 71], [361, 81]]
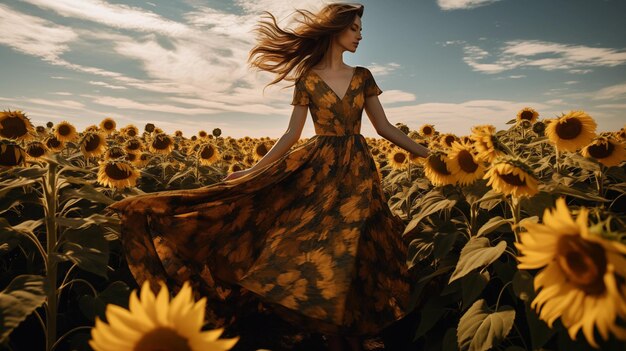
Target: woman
[[306, 231]]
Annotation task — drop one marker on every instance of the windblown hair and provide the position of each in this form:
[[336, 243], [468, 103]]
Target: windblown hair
[[282, 50]]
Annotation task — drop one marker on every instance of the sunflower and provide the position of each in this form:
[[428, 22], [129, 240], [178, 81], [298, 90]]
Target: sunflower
[[133, 145], [35, 150], [117, 174], [436, 169], [53, 144], [510, 175], [235, 167], [606, 150], [156, 323], [178, 133], [427, 130], [11, 154], [578, 282], [130, 131], [114, 152], [108, 125], [463, 164], [91, 128], [539, 128], [447, 139], [65, 131], [397, 158], [207, 154], [527, 114], [41, 131], [92, 144], [571, 131], [260, 149], [142, 160], [15, 125], [487, 143], [161, 144], [203, 134]]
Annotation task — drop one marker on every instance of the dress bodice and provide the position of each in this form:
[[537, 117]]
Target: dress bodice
[[333, 115]]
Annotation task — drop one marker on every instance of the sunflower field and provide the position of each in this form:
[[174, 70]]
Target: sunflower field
[[522, 232]]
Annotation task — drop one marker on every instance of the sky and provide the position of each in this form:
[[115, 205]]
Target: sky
[[182, 64]]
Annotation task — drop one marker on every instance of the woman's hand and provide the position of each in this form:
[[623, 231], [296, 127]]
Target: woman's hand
[[237, 174]]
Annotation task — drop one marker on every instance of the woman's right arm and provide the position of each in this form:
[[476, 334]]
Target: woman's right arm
[[286, 141]]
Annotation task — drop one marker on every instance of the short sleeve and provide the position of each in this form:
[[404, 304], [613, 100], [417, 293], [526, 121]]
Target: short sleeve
[[300, 95], [371, 88]]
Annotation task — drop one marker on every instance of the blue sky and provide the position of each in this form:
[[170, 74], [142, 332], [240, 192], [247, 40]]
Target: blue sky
[[182, 64]]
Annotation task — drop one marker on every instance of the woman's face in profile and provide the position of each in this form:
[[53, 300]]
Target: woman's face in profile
[[349, 38]]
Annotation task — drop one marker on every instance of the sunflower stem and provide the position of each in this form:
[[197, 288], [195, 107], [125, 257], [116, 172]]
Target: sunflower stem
[[500, 295], [600, 180], [50, 192], [558, 168], [515, 212]]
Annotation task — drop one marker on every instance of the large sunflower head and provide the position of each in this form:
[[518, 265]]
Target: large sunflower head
[[487, 144], [207, 154], [427, 130], [539, 128], [65, 131], [510, 175], [161, 144], [11, 154], [463, 164], [527, 114], [15, 125], [117, 174], [93, 144], [36, 150], [156, 323], [108, 125], [398, 159], [605, 150], [578, 282], [571, 131], [436, 169]]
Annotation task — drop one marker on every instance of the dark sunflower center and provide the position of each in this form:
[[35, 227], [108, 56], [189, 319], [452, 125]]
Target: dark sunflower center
[[227, 157], [92, 143], [65, 130], [133, 145], [162, 339], [116, 152], [144, 157], [527, 115], [13, 127], [601, 151], [427, 130], [35, 150], [161, 143], [512, 179], [108, 125], [399, 157], [131, 132], [53, 143], [583, 262], [114, 171], [466, 161], [202, 134], [569, 129], [236, 168], [131, 157], [207, 152], [12, 155], [437, 164], [449, 139], [261, 149]]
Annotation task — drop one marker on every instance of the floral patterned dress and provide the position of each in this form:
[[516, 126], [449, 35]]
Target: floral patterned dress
[[309, 235]]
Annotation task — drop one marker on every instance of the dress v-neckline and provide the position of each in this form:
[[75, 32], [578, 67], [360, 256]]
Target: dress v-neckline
[[331, 89]]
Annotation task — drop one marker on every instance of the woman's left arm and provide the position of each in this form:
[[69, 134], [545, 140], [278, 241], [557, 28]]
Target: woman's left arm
[[376, 114]]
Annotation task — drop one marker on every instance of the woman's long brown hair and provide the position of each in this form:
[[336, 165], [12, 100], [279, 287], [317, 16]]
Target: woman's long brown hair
[[280, 51]]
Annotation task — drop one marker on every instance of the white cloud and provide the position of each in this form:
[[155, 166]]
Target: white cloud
[[463, 4], [617, 91], [107, 85], [113, 15], [526, 53], [33, 35], [383, 69]]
